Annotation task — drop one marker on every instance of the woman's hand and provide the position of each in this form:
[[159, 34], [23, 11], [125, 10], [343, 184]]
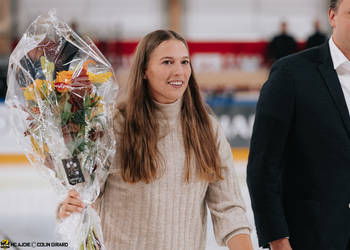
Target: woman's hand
[[70, 205], [240, 242]]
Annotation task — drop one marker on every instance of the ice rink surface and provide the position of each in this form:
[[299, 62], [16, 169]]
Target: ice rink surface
[[28, 206]]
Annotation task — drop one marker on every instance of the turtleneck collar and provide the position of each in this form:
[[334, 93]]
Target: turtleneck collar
[[169, 111]]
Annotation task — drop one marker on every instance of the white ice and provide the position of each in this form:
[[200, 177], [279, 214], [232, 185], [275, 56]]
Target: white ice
[[28, 206]]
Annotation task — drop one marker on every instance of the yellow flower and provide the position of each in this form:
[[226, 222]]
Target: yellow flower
[[38, 86], [100, 108], [99, 78], [44, 87], [29, 93], [46, 148], [35, 146], [96, 78]]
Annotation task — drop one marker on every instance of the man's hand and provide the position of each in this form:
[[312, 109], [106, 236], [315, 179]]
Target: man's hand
[[281, 244]]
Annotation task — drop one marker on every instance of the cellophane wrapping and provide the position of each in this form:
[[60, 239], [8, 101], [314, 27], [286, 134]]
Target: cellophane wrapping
[[61, 95]]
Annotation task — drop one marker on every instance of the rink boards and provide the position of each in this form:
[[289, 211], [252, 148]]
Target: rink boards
[[236, 120]]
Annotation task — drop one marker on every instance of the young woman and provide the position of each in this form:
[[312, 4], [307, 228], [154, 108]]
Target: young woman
[[172, 161]]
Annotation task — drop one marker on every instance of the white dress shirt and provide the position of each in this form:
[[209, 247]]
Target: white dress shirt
[[342, 66]]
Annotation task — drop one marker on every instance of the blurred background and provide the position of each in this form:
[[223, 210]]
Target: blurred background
[[232, 45]]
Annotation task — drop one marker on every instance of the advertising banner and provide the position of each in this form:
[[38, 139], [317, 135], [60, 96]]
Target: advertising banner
[[236, 119]]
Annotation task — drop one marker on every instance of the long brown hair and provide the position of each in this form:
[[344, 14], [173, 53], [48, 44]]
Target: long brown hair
[[139, 134]]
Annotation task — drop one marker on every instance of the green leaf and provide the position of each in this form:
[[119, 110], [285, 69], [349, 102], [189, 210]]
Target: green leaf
[[88, 112], [43, 62], [65, 116], [67, 106], [79, 117], [50, 67], [81, 146], [66, 113], [87, 101]]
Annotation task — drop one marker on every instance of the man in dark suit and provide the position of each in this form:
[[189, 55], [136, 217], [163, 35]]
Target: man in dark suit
[[299, 164], [281, 45], [317, 38]]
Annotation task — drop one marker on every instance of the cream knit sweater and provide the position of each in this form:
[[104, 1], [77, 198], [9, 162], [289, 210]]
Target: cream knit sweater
[[169, 214]]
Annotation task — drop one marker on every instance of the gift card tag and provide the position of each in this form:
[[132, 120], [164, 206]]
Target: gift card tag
[[73, 170]]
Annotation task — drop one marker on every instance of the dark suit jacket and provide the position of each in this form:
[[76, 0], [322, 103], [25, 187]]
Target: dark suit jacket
[[299, 163]]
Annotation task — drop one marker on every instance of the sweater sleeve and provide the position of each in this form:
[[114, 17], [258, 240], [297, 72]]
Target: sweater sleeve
[[224, 197]]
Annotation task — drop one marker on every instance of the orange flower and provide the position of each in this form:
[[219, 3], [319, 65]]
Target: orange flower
[[64, 76], [87, 63]]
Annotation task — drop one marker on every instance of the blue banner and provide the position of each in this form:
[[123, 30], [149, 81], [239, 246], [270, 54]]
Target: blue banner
[[236, 118]]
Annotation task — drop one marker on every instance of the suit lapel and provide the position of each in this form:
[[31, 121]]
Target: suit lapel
[[330, 76]]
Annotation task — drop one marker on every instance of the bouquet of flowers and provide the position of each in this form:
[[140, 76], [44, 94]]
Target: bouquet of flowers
[[61, 92]]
